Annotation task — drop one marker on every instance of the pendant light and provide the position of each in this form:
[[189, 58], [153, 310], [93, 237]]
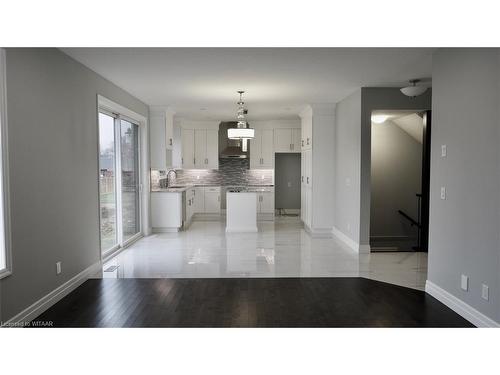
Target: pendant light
[[242, 131]]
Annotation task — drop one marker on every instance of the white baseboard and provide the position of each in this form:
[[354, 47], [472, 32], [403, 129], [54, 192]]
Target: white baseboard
[[348, 241], [165, 230], [460, 307], [37, 308], [318, 232]]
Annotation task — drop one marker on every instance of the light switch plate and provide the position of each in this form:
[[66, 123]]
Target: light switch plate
[[443, 192], [464, 284], [443, 151], [485, 292]]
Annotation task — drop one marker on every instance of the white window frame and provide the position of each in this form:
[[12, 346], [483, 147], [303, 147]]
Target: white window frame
[[118, 112], [5, 247]]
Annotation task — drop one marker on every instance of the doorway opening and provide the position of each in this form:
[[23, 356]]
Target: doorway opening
[[400, 167], [287, 184]]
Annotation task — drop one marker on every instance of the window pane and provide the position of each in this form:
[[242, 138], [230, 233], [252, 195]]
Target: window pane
[[107, 199], [129, 147]]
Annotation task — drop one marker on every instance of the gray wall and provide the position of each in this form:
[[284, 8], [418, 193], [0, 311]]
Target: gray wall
[[347, 165], [52, 124], [287, 172], [464, 228], [396, 171], [373, 98]]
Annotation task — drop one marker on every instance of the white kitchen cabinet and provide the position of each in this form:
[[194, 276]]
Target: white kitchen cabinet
[[266, 202], [306, 188], [262, 149], [212, 149], [190, 206], [287, 140], [169, 129], [212, 200], [157, 147], [296, 140], [166, 211], [200, 149], [199, 199], [187, 144], [306, 126]]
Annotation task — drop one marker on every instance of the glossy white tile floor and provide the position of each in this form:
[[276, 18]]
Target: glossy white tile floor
[[280, 249]]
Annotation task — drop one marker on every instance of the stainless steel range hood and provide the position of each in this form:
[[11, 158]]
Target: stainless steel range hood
[[230, 148]]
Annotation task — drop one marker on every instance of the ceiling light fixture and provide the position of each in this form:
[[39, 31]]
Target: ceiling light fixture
[[242, 131], [378, 119], [413, 90]]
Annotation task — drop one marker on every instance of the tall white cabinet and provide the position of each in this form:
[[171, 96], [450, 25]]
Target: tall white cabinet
[[317, 168], [262, 149]]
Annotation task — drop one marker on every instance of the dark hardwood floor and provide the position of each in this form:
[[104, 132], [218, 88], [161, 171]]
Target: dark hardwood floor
[[255, 302]]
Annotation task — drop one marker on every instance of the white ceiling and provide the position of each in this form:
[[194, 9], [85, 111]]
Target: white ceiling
[[278, 82]]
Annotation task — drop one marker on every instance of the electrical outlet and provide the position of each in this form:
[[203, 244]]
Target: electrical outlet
[[443, 151], [58, 268], [443, 192], [485, 292], [464, 284]]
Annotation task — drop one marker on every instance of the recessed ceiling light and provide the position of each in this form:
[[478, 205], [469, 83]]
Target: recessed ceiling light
[[378, 119]]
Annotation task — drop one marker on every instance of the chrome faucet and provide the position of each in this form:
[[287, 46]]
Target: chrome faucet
[[168, 176]]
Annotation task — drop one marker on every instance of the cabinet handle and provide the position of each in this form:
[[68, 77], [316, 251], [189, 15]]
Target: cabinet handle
[[302, 179], [182, 161], [206, 161], [308, 180], [218, 198], [308, 140], [170, 141], [194, 160], [302, 143]]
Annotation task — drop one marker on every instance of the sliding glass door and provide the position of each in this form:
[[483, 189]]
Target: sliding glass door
[[129, 145], [119, 198]]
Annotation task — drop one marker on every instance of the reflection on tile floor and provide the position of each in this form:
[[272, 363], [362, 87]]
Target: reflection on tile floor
[[280, 249]]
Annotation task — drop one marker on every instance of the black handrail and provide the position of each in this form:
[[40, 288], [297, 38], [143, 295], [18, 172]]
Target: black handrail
[[413, 222]]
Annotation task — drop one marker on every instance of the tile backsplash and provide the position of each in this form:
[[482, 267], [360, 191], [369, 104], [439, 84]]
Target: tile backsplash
[[231, 172]]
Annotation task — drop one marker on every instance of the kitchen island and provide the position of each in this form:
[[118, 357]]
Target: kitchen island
[[241, 210]]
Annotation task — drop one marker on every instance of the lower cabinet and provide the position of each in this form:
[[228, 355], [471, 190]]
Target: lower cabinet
[[212, 200], [265, 204], [166, 211]]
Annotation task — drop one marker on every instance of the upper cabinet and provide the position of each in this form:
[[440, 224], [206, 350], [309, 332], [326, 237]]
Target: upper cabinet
[[262, 149], [161, 137], [287, 140], [307, 122], [169, 129], [200, 148]]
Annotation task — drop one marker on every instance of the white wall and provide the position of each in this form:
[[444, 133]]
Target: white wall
[[53, 143], [396, 173], [346, 166], [464, 228]]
